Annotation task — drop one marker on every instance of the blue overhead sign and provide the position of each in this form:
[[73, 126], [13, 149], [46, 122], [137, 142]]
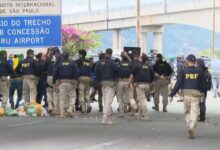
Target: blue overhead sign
[[37, 25], [36, 31]]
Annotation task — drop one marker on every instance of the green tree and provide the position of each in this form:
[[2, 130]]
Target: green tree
[[208, 52], [74, 40]]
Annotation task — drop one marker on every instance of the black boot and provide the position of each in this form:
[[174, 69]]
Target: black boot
[[156, 107], [12, 106]]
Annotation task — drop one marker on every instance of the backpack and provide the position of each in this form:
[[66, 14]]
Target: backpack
[[207, 82]]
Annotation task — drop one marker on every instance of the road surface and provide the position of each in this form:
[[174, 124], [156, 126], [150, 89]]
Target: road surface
[[164, 131]]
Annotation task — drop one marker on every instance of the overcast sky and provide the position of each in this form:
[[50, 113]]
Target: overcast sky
[[75, 6]]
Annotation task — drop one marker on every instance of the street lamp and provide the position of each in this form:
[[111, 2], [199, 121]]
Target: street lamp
[[138, 26], [214, 29], [89, 5], [107, 13], [165, 6]]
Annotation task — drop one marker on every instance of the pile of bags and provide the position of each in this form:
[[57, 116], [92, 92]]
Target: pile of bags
[[32, 109], [2, 111]]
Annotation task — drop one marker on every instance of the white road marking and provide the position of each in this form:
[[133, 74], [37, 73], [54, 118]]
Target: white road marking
[[100, 145], [25, 124]]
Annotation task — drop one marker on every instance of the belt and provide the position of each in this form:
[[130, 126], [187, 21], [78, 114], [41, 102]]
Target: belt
[[16, 78], [191, 92], [84, 78], [124, 79], [67, 81], [139, 83], [28, 76], [108, 83], [4, 78]]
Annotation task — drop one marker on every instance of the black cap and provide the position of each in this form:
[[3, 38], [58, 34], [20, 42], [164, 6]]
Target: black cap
[[200, 62], [65, 54], [55, 50], [30, 51], [83, 53], [159, 56], [191, 58]]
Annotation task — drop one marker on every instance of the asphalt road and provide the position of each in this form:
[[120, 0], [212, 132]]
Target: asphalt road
[[85, 132]]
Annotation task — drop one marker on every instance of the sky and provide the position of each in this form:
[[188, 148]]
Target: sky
[[77, 6]]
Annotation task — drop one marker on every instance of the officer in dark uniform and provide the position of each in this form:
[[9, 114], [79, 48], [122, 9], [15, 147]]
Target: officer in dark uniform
[[5, 71], [163, 73], [42, 82], [67, 73], [97, 84], [202, 104], [135, 62], [29, 68], [84, 82], [142, 76], [106, 72], [52, 96], [124, 93], [190, 81]]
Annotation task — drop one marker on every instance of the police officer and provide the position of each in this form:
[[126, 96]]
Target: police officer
[[42, 82], [97, 84], [124, 93], [202, 105], [142, 76], [106, 73], [5, 71], [135, 62], [190, 80], [29, 68], [53, 55], [66, 73], [163, 72], [84, 81]]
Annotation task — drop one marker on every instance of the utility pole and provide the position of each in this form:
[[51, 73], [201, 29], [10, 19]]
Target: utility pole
[[138, 26], [165, 6], [89, 5], [214, 29], [107, 13]]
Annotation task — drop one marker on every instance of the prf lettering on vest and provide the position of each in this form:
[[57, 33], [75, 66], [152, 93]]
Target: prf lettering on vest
[[145, 67], [192, 76], [86, 64], [124, 65], [25, 65], [65, 64]]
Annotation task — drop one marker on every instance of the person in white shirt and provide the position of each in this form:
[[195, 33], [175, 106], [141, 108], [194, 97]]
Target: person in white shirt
[[214, 65]]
